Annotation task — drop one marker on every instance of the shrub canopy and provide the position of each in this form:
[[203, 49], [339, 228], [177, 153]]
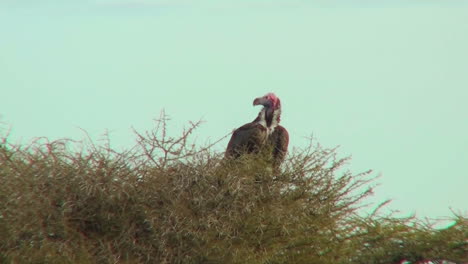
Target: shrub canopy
[[168, 201]]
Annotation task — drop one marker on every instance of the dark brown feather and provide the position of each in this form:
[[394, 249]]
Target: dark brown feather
[[280, 141], [246, 139]]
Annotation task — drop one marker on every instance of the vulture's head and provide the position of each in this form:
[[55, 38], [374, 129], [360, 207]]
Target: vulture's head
[[270, 100]]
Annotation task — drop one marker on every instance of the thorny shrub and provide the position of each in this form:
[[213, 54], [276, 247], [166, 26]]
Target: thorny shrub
[[169, 201]]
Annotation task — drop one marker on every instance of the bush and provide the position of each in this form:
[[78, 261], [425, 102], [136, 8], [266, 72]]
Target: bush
[[167, 201]]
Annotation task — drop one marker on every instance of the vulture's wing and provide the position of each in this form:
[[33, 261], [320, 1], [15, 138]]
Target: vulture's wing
[[246, 139], [280, 141]]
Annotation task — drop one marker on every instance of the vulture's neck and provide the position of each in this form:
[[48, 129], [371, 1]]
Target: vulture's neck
[[269, 118]]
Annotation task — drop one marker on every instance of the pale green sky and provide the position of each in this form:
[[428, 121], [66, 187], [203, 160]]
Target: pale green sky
[[388, 82]]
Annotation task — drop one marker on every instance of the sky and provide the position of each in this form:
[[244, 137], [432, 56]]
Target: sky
[[386, 81]]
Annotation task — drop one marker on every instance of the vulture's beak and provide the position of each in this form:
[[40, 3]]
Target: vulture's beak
[[261, 101]]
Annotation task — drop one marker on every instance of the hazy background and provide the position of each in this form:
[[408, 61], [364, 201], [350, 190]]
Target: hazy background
[[388, 82]]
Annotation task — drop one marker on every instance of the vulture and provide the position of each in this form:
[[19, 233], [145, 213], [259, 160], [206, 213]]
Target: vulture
[[264, 132]]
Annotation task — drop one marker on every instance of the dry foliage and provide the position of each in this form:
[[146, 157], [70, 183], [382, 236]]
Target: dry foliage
[[168, 201]]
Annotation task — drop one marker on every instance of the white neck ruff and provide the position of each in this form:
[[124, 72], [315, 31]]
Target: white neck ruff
[[274, 122]]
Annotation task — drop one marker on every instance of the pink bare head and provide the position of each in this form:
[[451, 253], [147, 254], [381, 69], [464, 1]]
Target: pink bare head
[[268, 100]]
